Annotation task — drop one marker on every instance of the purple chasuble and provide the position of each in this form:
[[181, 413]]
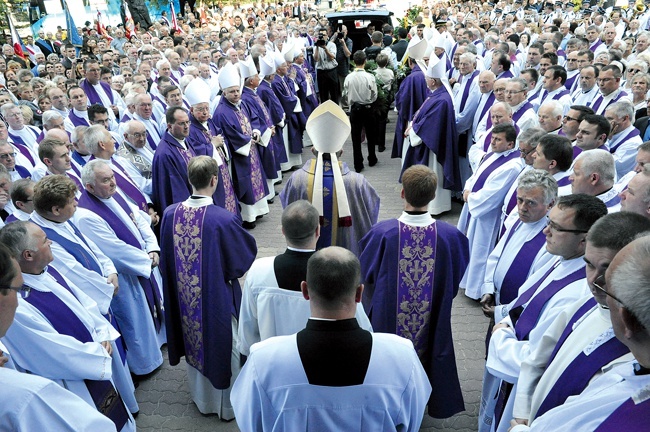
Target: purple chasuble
[[149, 285], [412, 93], [416, 265], [527, 318], [107, 400], [520, 267], [188, 275]]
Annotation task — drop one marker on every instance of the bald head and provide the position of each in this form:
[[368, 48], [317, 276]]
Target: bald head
[[58, 134]]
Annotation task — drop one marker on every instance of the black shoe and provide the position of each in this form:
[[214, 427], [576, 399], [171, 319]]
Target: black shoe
[[248, 225], [372, 163], [359, 169], [381, 149]]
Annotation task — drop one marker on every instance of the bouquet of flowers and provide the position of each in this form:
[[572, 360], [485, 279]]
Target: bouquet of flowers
[[410, 16]]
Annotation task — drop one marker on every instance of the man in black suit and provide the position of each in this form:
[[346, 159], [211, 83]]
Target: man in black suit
[[400, 46], [46, 45], [642, 125], [318, 378]]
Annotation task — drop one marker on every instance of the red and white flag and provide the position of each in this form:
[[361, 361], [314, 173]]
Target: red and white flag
[[175, 25], [129, 27], [101, 30], [17, 42]]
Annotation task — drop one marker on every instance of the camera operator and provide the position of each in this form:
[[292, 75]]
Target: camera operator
[[343, 52], [326, 66]]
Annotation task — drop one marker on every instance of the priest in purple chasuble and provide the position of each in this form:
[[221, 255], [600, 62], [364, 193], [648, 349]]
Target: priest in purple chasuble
[[206, 139], [284, 89], [260, 121], [484, 193], [276, 111], [248, 176], [200, 269], [348, 205], [169, 166], [412, 93], [431, 137], [618, 399], [411, 268]]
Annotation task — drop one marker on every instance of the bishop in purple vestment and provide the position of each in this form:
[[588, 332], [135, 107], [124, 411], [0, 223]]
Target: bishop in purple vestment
[[409, 98]]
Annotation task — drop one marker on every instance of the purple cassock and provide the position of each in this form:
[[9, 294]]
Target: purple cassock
[[169, 173], [283, 88], [261, 120], [200, 268], [435, 124], [309, 103], [411, 276], [247, 172], [266, 93], [199, 140], [409, 98]]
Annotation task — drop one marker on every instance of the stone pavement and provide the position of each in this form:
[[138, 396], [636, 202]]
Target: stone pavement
[[165, 403]]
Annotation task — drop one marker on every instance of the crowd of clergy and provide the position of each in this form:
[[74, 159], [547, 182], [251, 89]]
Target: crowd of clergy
[[130, 167]]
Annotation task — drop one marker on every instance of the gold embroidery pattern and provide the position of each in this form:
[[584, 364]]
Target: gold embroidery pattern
[[187, 244], [256, 174], [228, 190], [415, 283]]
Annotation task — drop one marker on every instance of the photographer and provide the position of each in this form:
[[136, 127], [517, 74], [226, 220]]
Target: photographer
[[343, 52], [326, 67]]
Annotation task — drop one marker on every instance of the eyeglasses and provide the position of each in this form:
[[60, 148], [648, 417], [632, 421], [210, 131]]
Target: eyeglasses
[[6, 156], [634, 70], [600, 286], [23, 290], [139, 134], [525, 153], [568, 119], [555, 227], [604, 80]]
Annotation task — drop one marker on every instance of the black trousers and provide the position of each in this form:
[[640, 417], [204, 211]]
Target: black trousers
[[328, 85], [361, 118]]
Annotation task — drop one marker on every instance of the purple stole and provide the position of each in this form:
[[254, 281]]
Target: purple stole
[[75, 249], [188, 223], [616, 199], [488, 139], [518, 271], [76, 120], [22, 145], [417, 259], [575, 378], [525, 319], [230, 200], [107, 400], [127, 186], [486, 108], [522, 109], [78, 158], [22, 171], [564, 181], [599, 100], [633, 133], [569, 83], [468, 84], [258, 185], [629, 417], [496, 163], [123, 232], [595, 46], [560, 94], [93, 96]]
